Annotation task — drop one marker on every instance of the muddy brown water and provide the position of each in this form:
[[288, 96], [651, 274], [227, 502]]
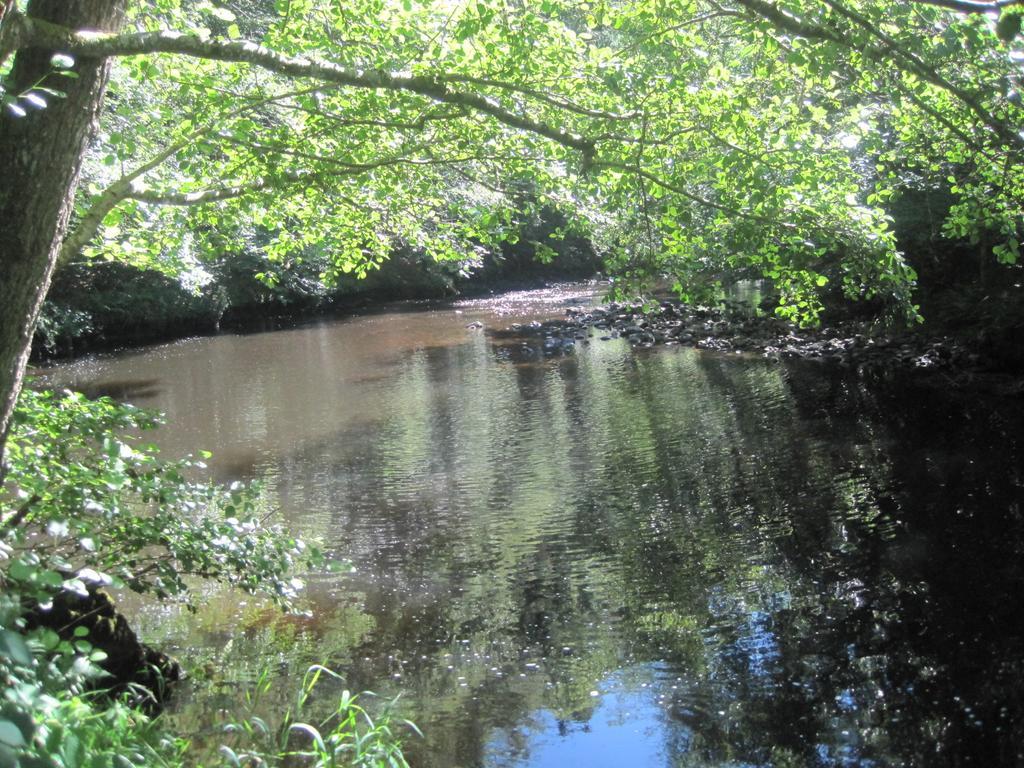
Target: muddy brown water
[[606, 556]]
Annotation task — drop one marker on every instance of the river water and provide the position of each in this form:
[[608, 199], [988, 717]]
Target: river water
[[605, 556]]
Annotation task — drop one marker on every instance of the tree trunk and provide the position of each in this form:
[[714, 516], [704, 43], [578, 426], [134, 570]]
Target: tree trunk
[[40, 159]]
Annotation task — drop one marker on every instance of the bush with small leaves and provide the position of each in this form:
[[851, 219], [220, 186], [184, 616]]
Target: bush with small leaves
[[87, 503]]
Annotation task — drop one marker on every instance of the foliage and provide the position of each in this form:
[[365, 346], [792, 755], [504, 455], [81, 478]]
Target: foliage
[[48, 714], [690, 139], [250, 279], [117, 302], [59, 325], [346, 736], [89, 503], [84, 504], [49, 717]]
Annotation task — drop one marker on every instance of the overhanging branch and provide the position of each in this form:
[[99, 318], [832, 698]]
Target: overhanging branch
[[555, 101], [203, 196], [87, 227], [100, 44]]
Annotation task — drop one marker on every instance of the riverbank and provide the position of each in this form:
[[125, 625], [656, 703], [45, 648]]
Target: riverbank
[[736, 329], [111, 305], [969, 361], [129, 330]]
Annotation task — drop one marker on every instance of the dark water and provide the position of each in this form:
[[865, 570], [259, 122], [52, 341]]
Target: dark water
[[611, 557]]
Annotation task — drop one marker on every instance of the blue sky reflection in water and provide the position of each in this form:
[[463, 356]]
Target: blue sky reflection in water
[[764, 564], [625, 726]]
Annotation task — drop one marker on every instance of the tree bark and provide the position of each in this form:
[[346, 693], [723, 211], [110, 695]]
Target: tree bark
[[40, 159]]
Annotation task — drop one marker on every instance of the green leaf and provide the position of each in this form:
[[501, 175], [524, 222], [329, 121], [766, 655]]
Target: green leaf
[[22, 571], [71, 751], [50, 639], [48, 578], [61, 61], [13, 647], [10, 734], [1009, 24]]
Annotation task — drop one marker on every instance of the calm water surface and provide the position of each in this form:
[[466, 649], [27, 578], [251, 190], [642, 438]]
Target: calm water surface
[[605, 556]]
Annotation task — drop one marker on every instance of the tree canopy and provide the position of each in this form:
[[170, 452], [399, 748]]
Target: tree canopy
[[691, 139]]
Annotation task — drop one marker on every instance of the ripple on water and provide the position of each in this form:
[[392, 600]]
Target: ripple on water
[[617, 556]]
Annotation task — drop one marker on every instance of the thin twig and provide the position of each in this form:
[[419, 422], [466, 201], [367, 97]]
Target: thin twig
[[19, 515]]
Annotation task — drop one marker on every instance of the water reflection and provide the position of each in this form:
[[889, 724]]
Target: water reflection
[[627, 725], [613, 557]]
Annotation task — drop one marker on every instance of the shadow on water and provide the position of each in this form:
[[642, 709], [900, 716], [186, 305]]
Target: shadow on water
[[616, 557], [126, 390]]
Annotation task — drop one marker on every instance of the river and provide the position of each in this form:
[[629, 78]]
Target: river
[[605, 556]]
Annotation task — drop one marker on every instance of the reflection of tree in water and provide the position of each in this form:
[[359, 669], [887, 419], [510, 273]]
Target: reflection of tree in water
[[883, 634], [805, 554], [934, 612]]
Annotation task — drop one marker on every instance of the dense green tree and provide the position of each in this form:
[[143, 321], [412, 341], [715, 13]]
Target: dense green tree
[[690, 139]]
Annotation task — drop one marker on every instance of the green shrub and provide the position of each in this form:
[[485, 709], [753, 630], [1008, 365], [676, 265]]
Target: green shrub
[[88, 502], [85, 503], [50, 717], [111, 302]]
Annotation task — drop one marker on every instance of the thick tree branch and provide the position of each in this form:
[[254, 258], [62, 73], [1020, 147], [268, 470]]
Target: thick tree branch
[[107, 200], [203, 196], [554, 101], [98, 44], [87, 227]]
